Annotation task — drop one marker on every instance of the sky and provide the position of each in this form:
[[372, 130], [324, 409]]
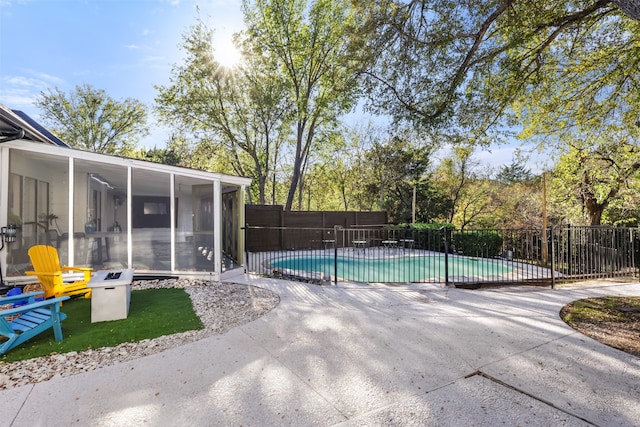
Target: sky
[[124, 47]]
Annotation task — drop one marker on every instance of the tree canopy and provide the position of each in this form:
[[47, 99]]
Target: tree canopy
[[89, 119], [298, 75], [460, 66], [239, 112], [562, 74], [311, 47]]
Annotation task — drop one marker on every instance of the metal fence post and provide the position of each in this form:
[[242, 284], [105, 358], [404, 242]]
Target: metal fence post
[[553, 259], [569, 250], [632, 241], [246, 251], [335, 254], [446, 255]]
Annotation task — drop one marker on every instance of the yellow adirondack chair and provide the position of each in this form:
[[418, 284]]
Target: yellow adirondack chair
[[46, 266]]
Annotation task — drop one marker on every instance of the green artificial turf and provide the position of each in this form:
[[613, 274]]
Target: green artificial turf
[[152, 313]]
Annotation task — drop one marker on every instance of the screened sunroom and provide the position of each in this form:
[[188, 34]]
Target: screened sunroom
[[110, 212]]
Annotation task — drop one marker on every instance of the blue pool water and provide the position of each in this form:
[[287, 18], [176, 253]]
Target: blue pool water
[[394, 269]]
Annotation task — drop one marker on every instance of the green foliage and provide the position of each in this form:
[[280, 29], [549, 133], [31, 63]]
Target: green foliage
[[153, 313], [235, 114], [514, 173], [585, 85], [472, 197], [89, 119], [397, 166], [165, 156], [297, 76], [484, 243], [309, 45], [428, 236], [477, 67], [595, 173], [431, 226], [456, 71]]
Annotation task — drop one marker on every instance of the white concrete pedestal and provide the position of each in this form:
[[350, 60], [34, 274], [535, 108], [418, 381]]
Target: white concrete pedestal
[[110, 294]]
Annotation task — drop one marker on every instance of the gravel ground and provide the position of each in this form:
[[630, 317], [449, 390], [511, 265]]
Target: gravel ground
[[221, 306]]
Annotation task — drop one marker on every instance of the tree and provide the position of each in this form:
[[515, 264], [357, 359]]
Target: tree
[[597, 172], [454, 175], [398, 165], [519, 205], [588, 86], [458, 67], [630, 7], [313, 51], [176, 153], [238, 113], [564, 70], [90, 120], [514, 173]]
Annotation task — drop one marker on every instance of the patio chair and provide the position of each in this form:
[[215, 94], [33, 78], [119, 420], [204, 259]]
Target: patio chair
[[47, 268], [23, 322]]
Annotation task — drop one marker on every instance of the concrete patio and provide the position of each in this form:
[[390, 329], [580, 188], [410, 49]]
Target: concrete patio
[[364, 355]]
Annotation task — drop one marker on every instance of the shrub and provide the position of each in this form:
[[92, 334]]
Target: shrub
[[477, 243], [430, 226]]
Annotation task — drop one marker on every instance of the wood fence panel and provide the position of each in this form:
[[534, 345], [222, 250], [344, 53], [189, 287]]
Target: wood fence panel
[[275, 216]]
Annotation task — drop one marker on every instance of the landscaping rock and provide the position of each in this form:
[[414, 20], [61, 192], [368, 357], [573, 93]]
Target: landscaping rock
[[220, 306]]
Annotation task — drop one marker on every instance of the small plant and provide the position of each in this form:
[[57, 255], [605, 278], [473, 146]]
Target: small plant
[[14, 219], [48, 220]]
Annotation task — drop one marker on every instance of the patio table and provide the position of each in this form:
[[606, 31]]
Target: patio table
[[329, 243], [389, 244], [359, 244], [407, 243]]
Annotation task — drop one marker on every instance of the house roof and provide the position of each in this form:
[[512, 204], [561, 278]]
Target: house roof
[[15, 124], [19, 130]]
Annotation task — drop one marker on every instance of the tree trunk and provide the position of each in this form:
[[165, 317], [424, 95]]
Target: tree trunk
[[293, 185], [301, 192], [263, 185], [594, 210], [630, 7]]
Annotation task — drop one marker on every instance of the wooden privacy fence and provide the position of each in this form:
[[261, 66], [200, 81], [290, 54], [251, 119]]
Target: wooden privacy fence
[[273, 227]]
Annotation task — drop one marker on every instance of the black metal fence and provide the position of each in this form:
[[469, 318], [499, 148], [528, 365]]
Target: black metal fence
[[454, 258]]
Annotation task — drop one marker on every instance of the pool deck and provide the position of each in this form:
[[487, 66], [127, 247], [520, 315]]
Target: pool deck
[[360, 356]]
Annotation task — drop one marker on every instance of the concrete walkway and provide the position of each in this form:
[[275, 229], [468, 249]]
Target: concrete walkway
[[361, 356]]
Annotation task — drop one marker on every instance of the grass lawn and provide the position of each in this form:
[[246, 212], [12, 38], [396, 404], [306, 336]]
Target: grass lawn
[[152, 313]]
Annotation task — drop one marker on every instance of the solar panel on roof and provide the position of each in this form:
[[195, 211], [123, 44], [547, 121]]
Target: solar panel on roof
[[40, 128]]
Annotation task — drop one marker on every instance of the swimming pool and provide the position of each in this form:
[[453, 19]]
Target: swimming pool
[[424, 268]]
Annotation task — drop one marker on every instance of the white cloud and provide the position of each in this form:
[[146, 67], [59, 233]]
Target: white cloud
[[15, 100], [18, 81], [48, 78], [22, 82], [154, 58], [20, 91]]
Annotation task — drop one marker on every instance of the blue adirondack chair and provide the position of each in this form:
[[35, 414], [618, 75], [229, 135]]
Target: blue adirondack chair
[[34, 318]]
